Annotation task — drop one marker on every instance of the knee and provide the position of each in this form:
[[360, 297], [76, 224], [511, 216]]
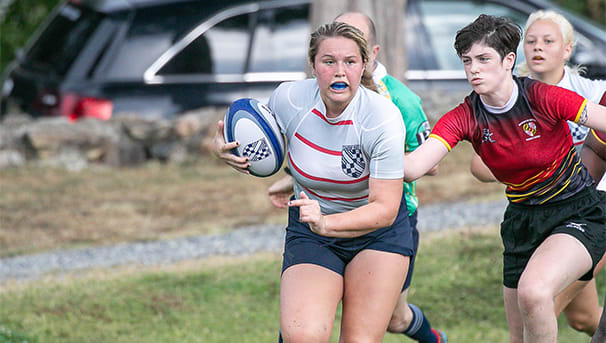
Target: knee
[[533, 296], [302, 334], [582, 321], [400, 319]]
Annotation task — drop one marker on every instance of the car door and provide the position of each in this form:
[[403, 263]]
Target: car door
[[440, 20], [243, 51]]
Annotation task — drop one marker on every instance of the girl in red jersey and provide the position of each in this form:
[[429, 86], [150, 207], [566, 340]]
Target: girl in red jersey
[[548, 43], [518, 126], [594, 157]]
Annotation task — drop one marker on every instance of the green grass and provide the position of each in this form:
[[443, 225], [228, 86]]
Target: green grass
[[456, 282]]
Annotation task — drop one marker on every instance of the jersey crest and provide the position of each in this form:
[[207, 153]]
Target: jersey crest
[[257, 150], [529, 127], [352, 160]]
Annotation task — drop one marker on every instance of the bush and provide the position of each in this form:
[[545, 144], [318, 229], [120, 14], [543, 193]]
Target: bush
[[21, 19]]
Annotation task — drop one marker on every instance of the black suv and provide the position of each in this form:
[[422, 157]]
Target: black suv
[[101, 58]]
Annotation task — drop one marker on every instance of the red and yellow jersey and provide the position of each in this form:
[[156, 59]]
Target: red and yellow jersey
[[529, 147], [599, 135]]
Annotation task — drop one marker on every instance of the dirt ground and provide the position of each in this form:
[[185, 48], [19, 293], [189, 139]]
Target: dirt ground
[[44, 208]]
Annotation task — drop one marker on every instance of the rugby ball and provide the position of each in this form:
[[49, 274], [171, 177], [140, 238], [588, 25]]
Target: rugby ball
[[254, 126]]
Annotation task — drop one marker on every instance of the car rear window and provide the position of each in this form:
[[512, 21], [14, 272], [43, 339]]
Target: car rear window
[[63, 38], [153, 30]]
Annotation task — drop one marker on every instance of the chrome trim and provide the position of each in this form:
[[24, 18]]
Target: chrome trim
[[412, 75], [150, 74], [229, 78], [271, 76], [435, 75]]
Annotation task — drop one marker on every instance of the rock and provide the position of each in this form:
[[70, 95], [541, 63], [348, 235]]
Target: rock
[[11, 158], [125, 152], [129, 139], [187, 125]]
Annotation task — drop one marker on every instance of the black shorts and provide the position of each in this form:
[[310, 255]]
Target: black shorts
[[525, 227], [415, 246], [304, 246]]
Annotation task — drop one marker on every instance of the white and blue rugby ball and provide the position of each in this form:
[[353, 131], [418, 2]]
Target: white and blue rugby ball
[[254, 126]]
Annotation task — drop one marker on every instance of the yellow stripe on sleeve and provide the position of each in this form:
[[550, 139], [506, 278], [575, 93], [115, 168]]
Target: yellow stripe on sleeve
[[576, 119], [597, 137], [441, 140]]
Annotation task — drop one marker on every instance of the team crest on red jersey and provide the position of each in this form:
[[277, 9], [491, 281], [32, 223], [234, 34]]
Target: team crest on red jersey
[[529, 126]]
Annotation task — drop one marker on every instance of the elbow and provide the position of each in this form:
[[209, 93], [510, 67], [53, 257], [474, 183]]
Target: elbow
[[389, 218], [433, 171], [410, 176], [390, 213]]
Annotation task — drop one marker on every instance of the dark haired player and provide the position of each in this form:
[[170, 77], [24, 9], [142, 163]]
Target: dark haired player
[[518, 127]]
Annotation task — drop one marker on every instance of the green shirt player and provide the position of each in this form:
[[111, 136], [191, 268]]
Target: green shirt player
[[406, 318], [417, 126]]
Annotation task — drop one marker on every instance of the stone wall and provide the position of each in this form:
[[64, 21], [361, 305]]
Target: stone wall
[[124, 141], [129, 139]]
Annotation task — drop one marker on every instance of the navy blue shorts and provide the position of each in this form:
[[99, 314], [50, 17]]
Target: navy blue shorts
[[304, 246], [415, 241]]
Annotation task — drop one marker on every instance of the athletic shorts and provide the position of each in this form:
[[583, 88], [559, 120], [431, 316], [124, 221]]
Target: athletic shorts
[[415, 242], [525, 227], [304, 246]]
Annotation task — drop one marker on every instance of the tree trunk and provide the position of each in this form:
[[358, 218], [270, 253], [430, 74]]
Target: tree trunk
[[596, 10], [388, 16]]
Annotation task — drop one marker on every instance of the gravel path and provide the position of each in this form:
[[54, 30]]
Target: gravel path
[[241, 242]]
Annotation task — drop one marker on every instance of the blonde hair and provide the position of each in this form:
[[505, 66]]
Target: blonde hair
[[566, 30], [337, 29]]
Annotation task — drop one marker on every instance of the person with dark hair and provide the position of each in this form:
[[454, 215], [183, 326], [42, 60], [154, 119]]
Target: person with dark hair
[[348, 233], [518, 127], [548, 44], [407, 319]]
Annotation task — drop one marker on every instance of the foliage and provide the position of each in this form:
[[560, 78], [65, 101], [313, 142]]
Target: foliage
[[594, 9], [20, 21], [11, 336]]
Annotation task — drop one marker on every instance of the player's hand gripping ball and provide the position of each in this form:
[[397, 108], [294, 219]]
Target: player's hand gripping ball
[[254, 126]]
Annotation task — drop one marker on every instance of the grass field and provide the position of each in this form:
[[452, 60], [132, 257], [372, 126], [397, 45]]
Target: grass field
[[221, 299], [457, 282]]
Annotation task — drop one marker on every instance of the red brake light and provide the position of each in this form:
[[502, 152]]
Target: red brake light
[[76, 107]]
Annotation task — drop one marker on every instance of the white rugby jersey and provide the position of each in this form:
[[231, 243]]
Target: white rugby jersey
[[332, 159], [592, 90]]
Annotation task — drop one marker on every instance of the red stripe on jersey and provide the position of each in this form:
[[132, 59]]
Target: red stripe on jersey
[[334, 199], [343, 122], [317, 147], [599, 135], [311, 177]]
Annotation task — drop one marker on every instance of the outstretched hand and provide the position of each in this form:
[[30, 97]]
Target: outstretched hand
[[222, 150], [309, 212]]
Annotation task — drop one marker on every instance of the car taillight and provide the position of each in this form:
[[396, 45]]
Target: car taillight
[[76, 107], [72, 106]]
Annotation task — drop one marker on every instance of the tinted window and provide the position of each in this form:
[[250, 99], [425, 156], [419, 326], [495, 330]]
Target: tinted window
[[221, 50], [442, 19], [152, 32], [281, 39], [62, 40]]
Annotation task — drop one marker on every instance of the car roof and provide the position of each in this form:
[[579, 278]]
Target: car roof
[[109, 6]]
